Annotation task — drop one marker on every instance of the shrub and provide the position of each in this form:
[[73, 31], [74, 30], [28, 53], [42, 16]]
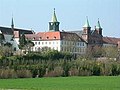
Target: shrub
[[7, 73], [24, 74], [57, 72]]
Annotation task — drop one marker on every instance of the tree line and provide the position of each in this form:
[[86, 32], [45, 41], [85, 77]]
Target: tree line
[[56, 64]]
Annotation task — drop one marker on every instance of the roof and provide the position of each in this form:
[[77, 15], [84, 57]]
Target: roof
[[8, 30], [54, 18], [54, 36], [111, 40], [86, 23], [78, 32], [98, 24]]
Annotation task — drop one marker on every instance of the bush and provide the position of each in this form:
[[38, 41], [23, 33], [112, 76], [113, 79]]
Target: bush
[[7, 73], [57, 72], [24, 74]]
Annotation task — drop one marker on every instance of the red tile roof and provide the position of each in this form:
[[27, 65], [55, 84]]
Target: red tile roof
[[111, 40], [49, 35], [54, 36]]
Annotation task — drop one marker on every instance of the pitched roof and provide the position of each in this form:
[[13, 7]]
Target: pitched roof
[[8, 30], [54, 36], [111, 40]]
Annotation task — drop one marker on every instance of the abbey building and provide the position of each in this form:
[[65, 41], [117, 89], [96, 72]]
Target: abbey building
[[76, 42]]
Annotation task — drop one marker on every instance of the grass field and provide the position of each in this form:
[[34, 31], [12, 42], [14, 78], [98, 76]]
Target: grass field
[[63, 83]]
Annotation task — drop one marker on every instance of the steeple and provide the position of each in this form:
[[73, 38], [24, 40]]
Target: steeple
[[12, 23], [54, 24], [86, 23], [98, 27], [86, 31], [12, 26], [98, 24], [54, 18]]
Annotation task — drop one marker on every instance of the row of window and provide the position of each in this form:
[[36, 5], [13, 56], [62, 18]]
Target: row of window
[[75, 49], [43, 43], [73, 43], [42, 38], [63, 43], [65, 49], [44, 48]]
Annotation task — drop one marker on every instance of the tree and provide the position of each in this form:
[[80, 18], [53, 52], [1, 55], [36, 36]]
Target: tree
[[29, 45], [94, 52], [2, 39], [5, 51], [22, 41], [111, 52], [45, 49]]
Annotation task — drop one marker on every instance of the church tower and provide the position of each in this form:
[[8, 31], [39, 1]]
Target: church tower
[[54, 24], [98, 28], [86, 31]]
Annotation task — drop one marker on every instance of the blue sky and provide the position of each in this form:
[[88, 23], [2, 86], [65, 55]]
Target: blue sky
[[71, 14]]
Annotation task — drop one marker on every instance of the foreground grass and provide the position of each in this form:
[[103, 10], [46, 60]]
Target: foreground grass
[[63, 83]]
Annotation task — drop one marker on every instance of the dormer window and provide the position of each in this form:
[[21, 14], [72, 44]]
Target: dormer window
[[54, 37], [47, 37], [40, 38], [33, 38]]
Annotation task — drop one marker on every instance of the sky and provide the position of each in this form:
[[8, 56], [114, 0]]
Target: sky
[[35, 14]]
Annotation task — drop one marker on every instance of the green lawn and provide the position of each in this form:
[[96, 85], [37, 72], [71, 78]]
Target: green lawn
[[63, 83]]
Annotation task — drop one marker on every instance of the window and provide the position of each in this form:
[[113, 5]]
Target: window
[[80, 43], [39, 43], [40, 38], [65, 42], [80, 50], [33, 38], [49, 42], [35, 48], [54, 37], [61, 42], [83, 44], [61, 48], [45, 42], [47, 37], [42, 42], [36, 43]]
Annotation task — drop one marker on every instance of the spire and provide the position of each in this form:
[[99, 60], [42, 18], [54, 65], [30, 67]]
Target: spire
[[54, 18], [86, 23], [12, 23], [98, 24]]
